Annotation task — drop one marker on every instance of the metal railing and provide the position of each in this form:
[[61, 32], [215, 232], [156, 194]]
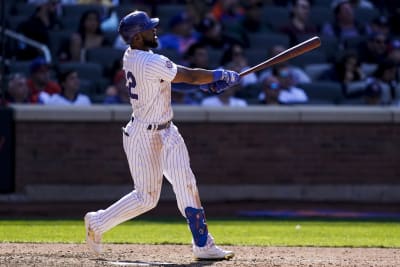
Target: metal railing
[[20, 37]]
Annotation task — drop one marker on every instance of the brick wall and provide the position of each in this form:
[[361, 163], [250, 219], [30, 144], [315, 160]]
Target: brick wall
[[90, 152]]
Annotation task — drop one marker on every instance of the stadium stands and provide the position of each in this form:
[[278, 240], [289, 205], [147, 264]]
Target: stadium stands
[[99, 61]]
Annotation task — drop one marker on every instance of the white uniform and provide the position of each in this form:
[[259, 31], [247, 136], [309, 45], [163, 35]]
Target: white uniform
[[151, 152]]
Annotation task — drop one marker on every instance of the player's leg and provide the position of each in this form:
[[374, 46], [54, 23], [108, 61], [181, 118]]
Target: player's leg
[[143, 151], [176, 166]]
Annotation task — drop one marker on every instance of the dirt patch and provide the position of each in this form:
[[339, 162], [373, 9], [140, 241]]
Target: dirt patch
[[16, 254]]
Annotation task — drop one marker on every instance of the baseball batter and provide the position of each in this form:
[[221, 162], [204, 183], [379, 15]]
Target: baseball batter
[[152, 142]]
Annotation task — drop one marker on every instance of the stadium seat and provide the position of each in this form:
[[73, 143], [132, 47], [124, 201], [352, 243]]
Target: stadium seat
[[214, 57], [330, 46], [256, 56], [87, 87], [354, 42], [275, 16], [14, 21], [323, 3], [321, 14], [104, 56], [172, 54], [56, 39], [314, 70], [266, 41], [25, 9], [24, 67], [90, 71], [124, 9], [166, 12], [322, 92], [70, 23], [316, 56], [365, 15], [110, 36], [76, 11], [368, 69], [20, 66]]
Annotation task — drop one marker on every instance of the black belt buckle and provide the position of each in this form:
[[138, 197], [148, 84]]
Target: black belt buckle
[[156, 127], [159, 127]]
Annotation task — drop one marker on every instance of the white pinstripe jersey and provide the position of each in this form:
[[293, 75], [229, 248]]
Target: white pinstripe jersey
[[149, 79]]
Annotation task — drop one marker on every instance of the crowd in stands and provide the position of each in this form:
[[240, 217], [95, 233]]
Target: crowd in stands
[[358, 62]]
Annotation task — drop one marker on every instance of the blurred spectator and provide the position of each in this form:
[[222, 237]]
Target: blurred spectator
[[230, 14], [382, 88], [348, 72], [375, 49], [252, 20], [288, 92], [299, 75], [212, 34], [89, 35], [227, 98], [379, 24], [181, 35], [197, 10], [270, 91], [37, 27], [235, 59], [69, 95], [197, 56], [228, 11], [39, 83], [17, 90], [299, 24], [344, 24], [346, 69], [110, 22], [117, 92]]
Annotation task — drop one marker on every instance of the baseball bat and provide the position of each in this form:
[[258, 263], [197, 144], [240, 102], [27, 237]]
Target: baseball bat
[[289, 53]]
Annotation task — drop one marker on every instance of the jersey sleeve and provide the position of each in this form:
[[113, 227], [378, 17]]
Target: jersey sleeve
[[159, 66]]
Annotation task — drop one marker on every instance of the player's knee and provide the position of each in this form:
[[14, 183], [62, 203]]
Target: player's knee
[[150, 200]]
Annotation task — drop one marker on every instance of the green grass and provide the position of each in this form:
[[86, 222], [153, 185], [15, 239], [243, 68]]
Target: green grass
[[227, 232]]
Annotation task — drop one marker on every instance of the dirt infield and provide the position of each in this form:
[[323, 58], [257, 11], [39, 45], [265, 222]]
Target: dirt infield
[[180, 255]]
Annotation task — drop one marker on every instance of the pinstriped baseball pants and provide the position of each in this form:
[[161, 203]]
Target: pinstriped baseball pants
[[151, 154]]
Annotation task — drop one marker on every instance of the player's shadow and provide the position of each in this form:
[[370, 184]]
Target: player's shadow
[[154, 263]]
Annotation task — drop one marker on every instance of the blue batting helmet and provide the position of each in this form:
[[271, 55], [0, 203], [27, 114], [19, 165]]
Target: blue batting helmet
[[135, 22]]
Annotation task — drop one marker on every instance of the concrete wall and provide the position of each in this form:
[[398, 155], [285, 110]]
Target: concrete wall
[[315, 153]]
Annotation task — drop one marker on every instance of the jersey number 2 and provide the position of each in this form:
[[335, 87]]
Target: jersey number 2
[[131, 84]]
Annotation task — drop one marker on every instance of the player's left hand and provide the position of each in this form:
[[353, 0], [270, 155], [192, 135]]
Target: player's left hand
[[229, 76], [215, 87]]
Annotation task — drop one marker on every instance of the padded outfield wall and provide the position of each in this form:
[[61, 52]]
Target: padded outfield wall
[[305, 153]]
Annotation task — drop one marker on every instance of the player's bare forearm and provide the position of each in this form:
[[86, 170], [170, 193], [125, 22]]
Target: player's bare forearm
[[193, 76]]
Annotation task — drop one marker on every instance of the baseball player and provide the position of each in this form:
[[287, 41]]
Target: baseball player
[[152, 143]]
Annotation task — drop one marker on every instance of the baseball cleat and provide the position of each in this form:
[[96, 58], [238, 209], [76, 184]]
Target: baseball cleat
[[93, 240], [211, 251]]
